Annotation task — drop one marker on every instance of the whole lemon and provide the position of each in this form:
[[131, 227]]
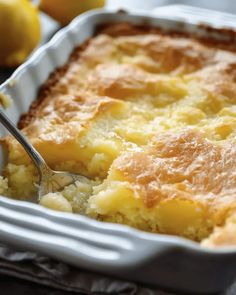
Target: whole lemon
[[19, 31], [65, 10]]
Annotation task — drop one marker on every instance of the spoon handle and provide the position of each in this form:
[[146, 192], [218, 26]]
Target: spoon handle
[[35, 156]]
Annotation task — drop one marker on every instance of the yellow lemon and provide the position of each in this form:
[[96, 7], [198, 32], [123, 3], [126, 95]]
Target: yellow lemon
[[65, 10], [19, 31]]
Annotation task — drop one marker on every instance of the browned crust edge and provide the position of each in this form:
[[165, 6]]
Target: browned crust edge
[[45, 89], [115, 30]]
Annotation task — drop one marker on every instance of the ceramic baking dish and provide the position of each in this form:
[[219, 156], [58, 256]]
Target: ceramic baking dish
[[160, 260]]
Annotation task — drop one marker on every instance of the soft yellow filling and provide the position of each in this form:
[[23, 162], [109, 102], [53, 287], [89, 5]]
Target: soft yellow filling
[[114, 99]]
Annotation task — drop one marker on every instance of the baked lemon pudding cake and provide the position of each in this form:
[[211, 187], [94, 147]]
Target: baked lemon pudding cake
[[150, 118]]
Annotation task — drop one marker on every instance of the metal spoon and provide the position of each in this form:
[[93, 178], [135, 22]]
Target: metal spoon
[[49, 180]]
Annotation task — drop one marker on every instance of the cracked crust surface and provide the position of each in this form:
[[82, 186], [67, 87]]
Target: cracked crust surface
[[153, 110]]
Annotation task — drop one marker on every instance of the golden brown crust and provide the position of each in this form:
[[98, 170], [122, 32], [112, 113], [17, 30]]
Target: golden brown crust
[[45, 89], [207, 38], [183, 165], [187, 52], [140, 88]]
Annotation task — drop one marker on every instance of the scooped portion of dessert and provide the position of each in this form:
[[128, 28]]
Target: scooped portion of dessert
[[151, 120], [181, 184]]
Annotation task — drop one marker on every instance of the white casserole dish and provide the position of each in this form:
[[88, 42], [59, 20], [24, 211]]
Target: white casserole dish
[[161, 260]]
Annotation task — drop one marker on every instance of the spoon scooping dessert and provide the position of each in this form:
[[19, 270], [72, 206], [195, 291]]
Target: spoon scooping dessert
[[49, 180]]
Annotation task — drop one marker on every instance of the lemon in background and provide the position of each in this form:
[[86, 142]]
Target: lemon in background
[[19, 31], [65, 10]]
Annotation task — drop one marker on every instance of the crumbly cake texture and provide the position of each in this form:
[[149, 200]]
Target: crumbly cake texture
[[151, 117]]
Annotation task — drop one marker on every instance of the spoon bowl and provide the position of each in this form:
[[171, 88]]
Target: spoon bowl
[[49, 180]]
